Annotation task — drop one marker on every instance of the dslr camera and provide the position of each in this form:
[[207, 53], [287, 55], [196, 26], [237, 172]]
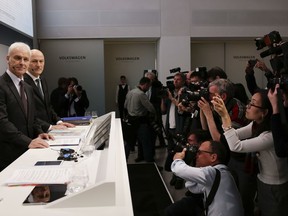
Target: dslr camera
[[195, 90], [169, 83], [180, 144], [78, 87], [188, 95]]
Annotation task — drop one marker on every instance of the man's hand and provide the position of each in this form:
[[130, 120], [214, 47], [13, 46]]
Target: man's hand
[[46, 136], [262, 66], [272, 95], [180, 155], [38, 143], [66, 124], [204, 105], [219, 106], [58, 127]]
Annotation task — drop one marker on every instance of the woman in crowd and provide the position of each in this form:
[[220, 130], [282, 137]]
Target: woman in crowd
[[257, 137]]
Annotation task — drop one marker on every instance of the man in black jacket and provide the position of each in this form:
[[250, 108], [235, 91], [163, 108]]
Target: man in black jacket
[[279, 120], [44, 112], [19, 128]]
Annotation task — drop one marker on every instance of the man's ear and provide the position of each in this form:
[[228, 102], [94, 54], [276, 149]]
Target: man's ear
[[224, 96], [214, 157]]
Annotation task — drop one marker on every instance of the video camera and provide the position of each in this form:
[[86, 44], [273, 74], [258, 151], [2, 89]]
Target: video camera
[[195, 90], [169, 83], [279, 60]]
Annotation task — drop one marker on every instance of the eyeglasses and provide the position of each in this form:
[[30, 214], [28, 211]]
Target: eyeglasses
[[251, 104], [203, 151]]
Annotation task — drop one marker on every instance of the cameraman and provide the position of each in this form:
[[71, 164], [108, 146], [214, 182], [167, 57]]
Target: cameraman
[[249, 76], [191, 143], [188, 100], [211, 121], [76, 98], [279, 130], [169, 106], [211, 155]]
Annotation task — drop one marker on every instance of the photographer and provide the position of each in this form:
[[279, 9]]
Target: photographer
[[249, 76], [279, 129], [196, 88], [77, 98], [211, 156], [211, 121], [174, 119], [277, 85], [272, 179], [169, 106]]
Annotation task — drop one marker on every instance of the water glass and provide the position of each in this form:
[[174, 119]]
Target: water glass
[[87, 150], [87, 113], [78, 179], [94, 114]]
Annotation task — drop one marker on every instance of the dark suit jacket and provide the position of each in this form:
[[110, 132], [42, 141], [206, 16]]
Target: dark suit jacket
[[16, 129], [44, 111], [82, 104], [59, 102]]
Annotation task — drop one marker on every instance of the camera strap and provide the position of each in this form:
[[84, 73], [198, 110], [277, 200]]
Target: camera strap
[[213, 191]]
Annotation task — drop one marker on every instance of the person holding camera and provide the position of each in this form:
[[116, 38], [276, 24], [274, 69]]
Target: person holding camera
[[77, 98], [279, 119], [239, 162], [239, 90], [272, 182], [211, 158], [175, 119], [249, 76]]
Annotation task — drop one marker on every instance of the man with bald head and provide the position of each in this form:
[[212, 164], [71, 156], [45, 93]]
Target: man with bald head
[[44, 112], [19, 128]]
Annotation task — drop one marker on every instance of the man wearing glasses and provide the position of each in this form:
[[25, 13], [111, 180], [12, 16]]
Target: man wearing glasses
[[241, 164], [211, 155]]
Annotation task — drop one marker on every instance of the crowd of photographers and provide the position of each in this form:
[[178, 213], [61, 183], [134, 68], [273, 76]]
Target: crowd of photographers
[[252, 132]]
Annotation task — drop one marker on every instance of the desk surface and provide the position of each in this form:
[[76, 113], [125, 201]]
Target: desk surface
[[108, 180]]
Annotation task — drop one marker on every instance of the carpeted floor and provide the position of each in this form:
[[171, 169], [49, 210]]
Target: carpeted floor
[[149, 194]]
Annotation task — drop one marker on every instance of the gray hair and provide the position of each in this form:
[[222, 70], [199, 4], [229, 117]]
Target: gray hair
[[18, 45], [224, 86]]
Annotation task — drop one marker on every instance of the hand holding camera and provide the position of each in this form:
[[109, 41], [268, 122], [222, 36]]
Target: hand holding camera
[[180, 155]]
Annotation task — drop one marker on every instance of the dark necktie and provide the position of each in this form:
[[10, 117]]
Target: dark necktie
[[22, 95], [39, 87]]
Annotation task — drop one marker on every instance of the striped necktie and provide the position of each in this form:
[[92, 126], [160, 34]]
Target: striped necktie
[[38, 84]]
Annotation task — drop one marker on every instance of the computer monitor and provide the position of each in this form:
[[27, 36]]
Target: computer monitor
[[98, 132]]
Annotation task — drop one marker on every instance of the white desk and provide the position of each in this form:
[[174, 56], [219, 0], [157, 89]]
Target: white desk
[[108, 192]]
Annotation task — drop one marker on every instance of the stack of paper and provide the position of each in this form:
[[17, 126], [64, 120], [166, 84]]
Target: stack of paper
[[39, 175]]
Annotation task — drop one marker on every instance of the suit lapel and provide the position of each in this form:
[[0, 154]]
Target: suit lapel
[[14, 91], [31, 82]]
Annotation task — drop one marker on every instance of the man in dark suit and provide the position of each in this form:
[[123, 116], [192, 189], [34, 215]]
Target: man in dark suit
[[19, 128], [44, 112]]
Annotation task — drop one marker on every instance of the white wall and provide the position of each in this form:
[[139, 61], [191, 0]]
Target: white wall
[[82, 59], [3, 61], [154, 18], [129, 59], [232, 56]]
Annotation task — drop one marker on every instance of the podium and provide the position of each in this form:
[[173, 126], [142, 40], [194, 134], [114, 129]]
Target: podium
[[108, 191]]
